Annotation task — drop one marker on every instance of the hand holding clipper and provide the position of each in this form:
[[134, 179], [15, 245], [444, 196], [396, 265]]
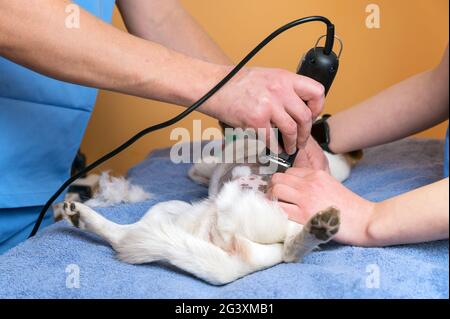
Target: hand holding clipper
[[321, 65]]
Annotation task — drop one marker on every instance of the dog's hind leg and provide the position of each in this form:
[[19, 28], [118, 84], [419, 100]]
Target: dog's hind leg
[[259, 256], [165, 241]]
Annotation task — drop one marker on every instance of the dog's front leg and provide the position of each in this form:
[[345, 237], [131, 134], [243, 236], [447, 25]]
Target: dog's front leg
[[84, 217]]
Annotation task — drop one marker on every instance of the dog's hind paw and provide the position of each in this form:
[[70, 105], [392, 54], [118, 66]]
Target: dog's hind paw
[[324, 225]]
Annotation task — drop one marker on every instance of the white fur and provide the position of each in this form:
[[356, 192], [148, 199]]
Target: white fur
[[340, 167], [241, 171], [116, 190]]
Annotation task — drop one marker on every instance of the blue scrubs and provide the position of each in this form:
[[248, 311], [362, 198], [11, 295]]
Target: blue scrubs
[[42, 122]]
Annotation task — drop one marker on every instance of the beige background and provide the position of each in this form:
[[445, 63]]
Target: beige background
[[412, 38]]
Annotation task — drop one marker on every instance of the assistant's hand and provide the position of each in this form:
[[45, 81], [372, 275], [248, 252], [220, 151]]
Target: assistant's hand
[[261, 98], [302, 192]]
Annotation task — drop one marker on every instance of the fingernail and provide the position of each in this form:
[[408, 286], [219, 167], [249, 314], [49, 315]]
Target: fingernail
[[293, 150]]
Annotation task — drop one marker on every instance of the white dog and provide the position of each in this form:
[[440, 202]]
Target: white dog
[[235, 232]]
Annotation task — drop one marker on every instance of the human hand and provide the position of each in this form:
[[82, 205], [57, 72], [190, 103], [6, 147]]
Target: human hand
[[312, 156], [302, 192], [261, 98]]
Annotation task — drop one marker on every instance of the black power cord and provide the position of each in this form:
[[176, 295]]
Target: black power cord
[[327, 50]]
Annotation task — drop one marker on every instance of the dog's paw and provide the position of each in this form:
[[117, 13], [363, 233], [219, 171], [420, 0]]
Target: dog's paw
[[72, 214], [324, 225], [321, 228]]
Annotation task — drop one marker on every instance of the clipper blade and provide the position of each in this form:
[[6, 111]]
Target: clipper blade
[[282, 164]]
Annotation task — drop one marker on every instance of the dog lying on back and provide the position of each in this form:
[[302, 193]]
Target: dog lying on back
[[235, 232]]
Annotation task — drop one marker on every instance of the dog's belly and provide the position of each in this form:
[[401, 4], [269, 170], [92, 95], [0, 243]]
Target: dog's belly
[[253, 182], [248, 176], [199, 220]]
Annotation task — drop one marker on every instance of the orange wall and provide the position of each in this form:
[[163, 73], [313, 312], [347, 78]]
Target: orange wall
[[412, 37]]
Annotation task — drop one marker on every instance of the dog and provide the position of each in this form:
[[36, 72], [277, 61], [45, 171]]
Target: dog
[[234, 232]]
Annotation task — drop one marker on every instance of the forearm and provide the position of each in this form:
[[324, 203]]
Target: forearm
[[417, 216], [167, 22], [404, 109], [32, 33]]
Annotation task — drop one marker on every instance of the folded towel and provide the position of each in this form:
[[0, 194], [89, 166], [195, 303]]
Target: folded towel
[[47, 265]]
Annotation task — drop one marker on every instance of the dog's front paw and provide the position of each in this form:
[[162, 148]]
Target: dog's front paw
[[72, 214], [324, 225]]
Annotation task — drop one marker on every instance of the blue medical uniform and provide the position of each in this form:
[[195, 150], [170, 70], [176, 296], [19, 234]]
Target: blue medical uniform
[[42, 122]]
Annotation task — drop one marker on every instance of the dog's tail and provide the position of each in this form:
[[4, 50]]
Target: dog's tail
[[164, 241]]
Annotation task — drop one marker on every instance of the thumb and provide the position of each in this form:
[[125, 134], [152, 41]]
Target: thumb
[[294, 213]]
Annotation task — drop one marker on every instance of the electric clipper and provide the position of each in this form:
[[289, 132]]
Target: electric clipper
[[320, 64]]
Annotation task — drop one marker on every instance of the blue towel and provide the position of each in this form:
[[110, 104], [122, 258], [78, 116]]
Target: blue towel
[[46, 265]]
